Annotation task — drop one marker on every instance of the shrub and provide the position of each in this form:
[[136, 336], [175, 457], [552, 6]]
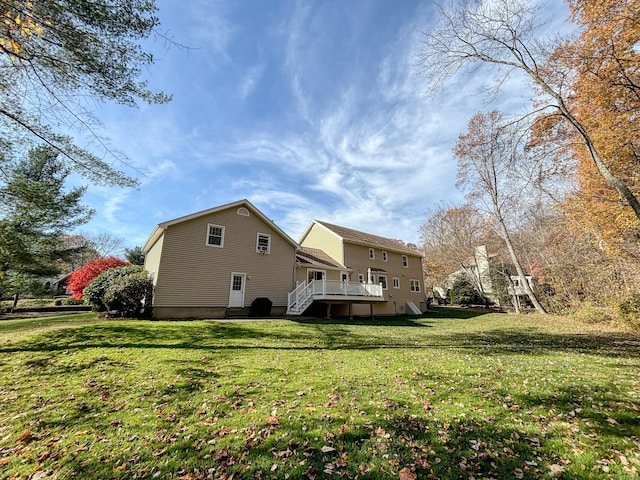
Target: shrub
[[81, 278], [464, 293], [71, 301], [123, 291], [588, 313], [130, 295], [629, 310]]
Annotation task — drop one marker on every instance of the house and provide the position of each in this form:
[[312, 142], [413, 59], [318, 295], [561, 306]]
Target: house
[[370, 275], [58, 285], [209, 263], [222, 258], [491, 277]]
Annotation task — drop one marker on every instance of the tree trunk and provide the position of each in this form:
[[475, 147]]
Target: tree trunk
[[516, 262]]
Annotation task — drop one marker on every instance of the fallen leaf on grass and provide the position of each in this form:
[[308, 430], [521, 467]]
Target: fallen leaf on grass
[[26, 435], [272, 420], [406, 474], [327, 449], [556, 469]]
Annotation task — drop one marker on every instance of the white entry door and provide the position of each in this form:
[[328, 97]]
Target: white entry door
[[236, 294]]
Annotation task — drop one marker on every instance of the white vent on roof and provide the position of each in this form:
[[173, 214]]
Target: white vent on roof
[[243, 211]]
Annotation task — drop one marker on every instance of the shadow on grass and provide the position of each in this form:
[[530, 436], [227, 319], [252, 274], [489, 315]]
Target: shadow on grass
[[401, 321], [488, 447], [518, 341], [330, 334]]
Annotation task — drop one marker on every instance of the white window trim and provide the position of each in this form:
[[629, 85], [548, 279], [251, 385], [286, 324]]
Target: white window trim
[[372, 254], [405, 261], [258, 250], [396, 282], [415, 282], [386, 281], [314, 270], [385, 256], [206, 240], [361, 277]]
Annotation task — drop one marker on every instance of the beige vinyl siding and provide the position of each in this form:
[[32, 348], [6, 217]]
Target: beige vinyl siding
[[195, 274], [319, 237], [357, 258], [302, 273], [152, 259]]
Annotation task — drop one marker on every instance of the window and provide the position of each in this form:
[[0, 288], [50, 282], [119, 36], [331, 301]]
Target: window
[[361, 278], [384, 256], [243, 211], [383, 280], [215, 235], [396, 282], [415, 285], [405, 261], [315, 275], [372, 254], [263, 244]]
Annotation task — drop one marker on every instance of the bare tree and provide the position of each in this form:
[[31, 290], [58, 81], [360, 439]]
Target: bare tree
[[487, 165], [449, 237], [104, 243], [504, 34]]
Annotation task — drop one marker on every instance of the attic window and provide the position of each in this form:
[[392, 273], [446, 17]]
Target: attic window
[[243, 211]]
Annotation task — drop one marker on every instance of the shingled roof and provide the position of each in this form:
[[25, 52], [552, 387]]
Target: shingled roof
[[368, 239], [317, 258]]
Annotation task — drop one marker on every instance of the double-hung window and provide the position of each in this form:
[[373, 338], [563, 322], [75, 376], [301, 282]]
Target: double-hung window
[[372, 254], [405, 261], [215, 235], [384, 256], [383, 280], [396, 282], [263, 243], [414, 285]]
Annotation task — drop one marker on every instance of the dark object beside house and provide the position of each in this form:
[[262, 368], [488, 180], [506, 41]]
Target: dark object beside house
[[261, 307]]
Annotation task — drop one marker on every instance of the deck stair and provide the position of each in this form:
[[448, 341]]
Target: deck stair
[[300, 299]]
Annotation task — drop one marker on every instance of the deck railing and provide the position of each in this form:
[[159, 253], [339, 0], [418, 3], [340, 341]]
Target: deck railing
[[304, 293]]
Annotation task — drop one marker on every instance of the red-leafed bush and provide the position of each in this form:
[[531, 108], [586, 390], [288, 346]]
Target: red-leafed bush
[[82, 277]]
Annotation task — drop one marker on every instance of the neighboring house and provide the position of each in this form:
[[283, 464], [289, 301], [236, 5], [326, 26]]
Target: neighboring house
[[371, 275], [58, 285], [492, 278], [208, 263]]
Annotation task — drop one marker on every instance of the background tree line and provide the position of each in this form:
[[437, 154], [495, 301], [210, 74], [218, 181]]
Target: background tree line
[[553, 191]]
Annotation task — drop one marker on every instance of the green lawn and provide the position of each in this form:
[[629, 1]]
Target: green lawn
[[453, 395]]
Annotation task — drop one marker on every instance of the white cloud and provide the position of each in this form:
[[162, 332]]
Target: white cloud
[[250, 80]]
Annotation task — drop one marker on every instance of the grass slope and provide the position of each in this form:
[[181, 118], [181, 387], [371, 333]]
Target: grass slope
[[473, 396]]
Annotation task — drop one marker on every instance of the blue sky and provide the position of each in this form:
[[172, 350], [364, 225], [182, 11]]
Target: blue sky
[[307, 109]]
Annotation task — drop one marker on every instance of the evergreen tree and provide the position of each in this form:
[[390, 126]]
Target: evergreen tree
[[35, 211], [134, 255], [57, 54]]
